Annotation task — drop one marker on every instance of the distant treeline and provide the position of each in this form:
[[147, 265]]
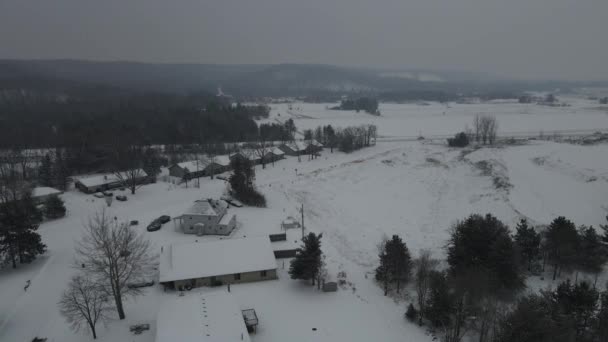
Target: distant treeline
[[41, 120], [367, 104]]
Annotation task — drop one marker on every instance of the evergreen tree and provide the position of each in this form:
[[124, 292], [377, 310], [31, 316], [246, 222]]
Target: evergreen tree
[[592, 254], [574, 306], [395, 263], [601, 319], [308, 261], [528, 242], [530, 321], [242, 183], [605, 230], [60, 171], [45, 177], [54, 207], [562, 244], [19, 221], [440, 303], [481, 247]]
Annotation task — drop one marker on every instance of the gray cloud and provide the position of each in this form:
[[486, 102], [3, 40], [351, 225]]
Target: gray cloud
[[557, 39]]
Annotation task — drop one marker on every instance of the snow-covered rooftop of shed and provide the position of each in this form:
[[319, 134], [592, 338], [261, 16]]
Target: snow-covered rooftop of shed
[[302, 144], [96, 180], [45, 191], [193, 165], [215, 317], [223, 160], [207, 259]]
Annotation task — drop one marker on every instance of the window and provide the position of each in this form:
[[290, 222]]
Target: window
[[237, 276], [263, 274]]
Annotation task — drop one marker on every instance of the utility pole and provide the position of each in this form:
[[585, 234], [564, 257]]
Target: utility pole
[[302, 211]]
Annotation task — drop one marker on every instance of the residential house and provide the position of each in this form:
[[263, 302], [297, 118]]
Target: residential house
[[105, 182], [189, 169], [213, 317], [207, 217], [273, 155], [301, 147], [42, 193], [227, 261], [250, 155]]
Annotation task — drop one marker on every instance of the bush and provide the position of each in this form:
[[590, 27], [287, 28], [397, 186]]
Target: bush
[[411, 314], [459, 140], [54, 207]]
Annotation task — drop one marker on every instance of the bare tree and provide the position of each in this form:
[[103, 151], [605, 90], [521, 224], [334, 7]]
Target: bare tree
[[424, 265], [84, 303], [486, 128], [128, 165], [260, 150], [114, 255]]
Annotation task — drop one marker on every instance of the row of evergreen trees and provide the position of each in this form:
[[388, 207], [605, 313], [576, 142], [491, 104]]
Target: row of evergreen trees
[[486, 271], [53, 171], [346, 139]]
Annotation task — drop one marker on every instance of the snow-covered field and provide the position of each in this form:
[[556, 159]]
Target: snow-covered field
[[411, 120], [414, 189]]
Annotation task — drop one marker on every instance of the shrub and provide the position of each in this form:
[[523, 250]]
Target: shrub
[[459, 140], [411, 314], [54, 207]]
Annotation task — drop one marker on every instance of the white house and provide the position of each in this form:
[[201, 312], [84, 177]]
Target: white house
[[207, 217], [214, 317], [42, 193], [105, 182], [195, 264]]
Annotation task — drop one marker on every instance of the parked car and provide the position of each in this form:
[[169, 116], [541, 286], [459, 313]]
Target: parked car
[[140, 284], [121, 198], [108, 193], [99, 195], [232, 201], [164, 219], [154, 226], [134, 222], [139, 328]]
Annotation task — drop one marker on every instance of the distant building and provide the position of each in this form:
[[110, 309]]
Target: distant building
[[246, 155], [227, 261], [273, 155], [105, 182], [207, 217], [301, 147], [214, 317], [188, 170], [42, 193]]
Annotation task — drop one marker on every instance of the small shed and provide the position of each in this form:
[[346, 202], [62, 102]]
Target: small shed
[[251, 319]]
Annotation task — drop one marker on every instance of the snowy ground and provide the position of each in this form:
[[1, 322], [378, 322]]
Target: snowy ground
[[415, 189], [411, 120]]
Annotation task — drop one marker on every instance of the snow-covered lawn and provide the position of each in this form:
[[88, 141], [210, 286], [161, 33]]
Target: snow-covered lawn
[[414, 189]]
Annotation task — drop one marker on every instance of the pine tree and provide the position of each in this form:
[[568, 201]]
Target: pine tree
[[308, 261], [395, 263], [54, 207], [605, 230], [439, 305], [528, 241], [592, 254], [60, 172], [562, 244], [481, 247], [45, 177], [19, 221]]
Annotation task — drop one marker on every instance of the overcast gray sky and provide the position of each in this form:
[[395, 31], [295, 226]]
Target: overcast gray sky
[[557, 39]]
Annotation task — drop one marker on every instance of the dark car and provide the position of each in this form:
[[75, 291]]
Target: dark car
[[164, 219], [154, 226], [121, 198], [134, 222]]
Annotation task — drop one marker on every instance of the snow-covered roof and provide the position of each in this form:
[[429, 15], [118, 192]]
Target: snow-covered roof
[[192, 165], [208, 259], [45, 191], [302, 144], [226, 219], [208, 207], [215, 317], [277, 151], [97, 180], [223, 160]]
